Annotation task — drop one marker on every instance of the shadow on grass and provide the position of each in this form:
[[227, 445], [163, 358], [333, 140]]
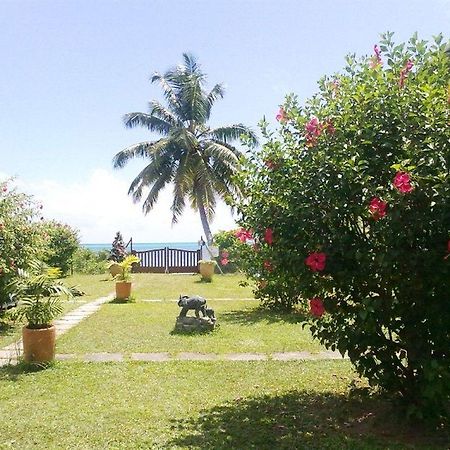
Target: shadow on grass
[[6, 328], [301, 420], [259, 314], [13, 372]]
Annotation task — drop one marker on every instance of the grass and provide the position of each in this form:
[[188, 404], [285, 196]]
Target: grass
[[148, 327], [93, 285], [170, 286], [193, 405]]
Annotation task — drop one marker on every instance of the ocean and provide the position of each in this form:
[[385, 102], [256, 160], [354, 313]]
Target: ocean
[[139, 246]]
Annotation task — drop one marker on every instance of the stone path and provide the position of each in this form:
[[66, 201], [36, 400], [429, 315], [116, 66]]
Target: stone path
[[11, 353]]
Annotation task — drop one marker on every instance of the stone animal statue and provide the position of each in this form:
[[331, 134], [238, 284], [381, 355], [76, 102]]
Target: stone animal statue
[[210, 313], [195, 302]]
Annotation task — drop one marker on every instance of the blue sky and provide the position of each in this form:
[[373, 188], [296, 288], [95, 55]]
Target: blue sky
[[71, 69]]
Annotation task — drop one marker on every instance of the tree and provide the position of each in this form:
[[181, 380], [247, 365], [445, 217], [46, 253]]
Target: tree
[[197, 160], [350, 204], [118, 251]]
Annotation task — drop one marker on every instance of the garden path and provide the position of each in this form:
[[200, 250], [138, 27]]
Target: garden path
[[11, 353]]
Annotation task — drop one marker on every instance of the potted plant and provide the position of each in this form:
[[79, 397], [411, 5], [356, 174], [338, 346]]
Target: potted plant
[[39, 294], [207, 269], [123, 278]]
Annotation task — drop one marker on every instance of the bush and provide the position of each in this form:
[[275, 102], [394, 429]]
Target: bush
[[61, 243], [355, 193], [230, 250], [118, 251], [20, 240], [89, 262]]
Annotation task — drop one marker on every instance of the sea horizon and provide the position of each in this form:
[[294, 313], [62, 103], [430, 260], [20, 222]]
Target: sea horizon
[[140, 246]]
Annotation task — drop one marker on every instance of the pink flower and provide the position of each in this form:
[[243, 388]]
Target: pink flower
[[224, 261], [377, 208], [268, 236], [316, 261], [316, 307], [313, 131], [243, 235], [404, 72], [376, 59], [281, 116], [402, 182], [225, 254], [268, 265]]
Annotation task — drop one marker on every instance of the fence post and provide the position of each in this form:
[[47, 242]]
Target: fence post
[[166, 257]]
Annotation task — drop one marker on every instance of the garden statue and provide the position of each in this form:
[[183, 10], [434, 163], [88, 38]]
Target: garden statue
[[205, 322]]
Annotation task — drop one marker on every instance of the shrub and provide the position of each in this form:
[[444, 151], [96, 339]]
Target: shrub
[[61, 243], [230, 249], [118, 251], [355, 191], [89, 262], [20, 241]]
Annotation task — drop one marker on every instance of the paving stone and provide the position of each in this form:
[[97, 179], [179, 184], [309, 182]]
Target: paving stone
[[245, 357], [187, 356], [103, 357], [157, 357], [291, 356], [65, 356]]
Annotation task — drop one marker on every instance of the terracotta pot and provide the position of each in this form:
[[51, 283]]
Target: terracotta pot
[[206, 271], [39, 344], [123, 290], [115, 269]]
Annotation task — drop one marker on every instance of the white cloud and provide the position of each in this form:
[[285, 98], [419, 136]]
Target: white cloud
[[99, 207]]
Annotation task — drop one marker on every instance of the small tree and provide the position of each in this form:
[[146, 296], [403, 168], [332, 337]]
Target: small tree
[[61, 243], [118, 251], [354, 195]]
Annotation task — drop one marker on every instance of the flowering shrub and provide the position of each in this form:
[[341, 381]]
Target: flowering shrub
[[231, 246], [360, 217], [61, 242], [20, 240]]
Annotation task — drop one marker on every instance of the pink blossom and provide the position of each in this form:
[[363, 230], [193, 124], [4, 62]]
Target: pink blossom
[[225, 254], [243, 235], [268, 265], [402, 182], [376, 59], [404, 72], [316, 307], [224, 261], [316, 261], [313, 131], [268, 236], [281, 116], [377, 208]]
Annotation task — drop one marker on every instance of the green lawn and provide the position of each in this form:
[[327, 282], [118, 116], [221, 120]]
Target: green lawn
[[193, 405], [170, 286], [148, 327], [94, 286]]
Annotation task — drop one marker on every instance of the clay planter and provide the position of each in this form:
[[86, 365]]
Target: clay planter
[[207, 270], [123, 290], [39, 344]]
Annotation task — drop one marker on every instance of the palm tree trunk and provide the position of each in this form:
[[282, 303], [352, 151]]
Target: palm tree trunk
[[205, 224]]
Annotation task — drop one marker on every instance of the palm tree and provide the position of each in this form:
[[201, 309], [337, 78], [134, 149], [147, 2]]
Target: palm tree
[[197, 160]]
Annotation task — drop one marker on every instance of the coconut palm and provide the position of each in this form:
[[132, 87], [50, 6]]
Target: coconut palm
[[197, 160]]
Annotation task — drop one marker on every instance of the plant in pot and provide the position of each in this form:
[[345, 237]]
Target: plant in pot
[[39, 293], [207, 269], [123, 278]]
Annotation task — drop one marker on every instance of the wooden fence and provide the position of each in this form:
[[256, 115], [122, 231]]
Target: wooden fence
[[167, 260]]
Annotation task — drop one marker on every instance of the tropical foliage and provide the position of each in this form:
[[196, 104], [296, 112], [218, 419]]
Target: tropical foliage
[[20, 240], [349, 209], [199, 161]]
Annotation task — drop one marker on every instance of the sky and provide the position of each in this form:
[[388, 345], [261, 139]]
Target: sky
[[70, 70]]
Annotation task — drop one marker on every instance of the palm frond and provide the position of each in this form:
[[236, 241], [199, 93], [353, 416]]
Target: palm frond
[[232, 133], [148, 121], [141, 150], [218, 91], [156, 189], [159, 111]]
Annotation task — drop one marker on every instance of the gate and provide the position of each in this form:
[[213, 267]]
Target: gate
[[167, 260]]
